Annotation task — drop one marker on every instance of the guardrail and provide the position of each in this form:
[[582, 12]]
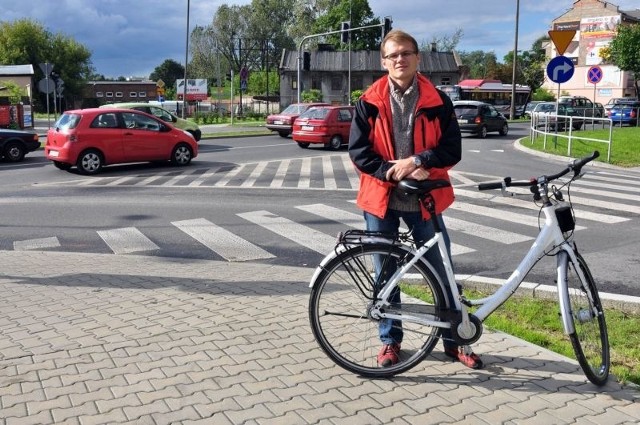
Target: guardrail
[[565, 126]]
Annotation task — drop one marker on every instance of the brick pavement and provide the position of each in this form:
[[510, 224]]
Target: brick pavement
[[108, 339]]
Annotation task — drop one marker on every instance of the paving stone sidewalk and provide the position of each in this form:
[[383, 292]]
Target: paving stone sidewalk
[[108, 339]]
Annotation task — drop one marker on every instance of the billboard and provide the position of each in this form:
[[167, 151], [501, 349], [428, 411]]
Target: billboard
[[196, 89]]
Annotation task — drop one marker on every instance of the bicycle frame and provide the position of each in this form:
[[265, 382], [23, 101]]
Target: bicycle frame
[[548, 240]]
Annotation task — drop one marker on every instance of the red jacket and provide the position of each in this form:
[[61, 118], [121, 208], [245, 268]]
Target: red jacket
[[436, 138]]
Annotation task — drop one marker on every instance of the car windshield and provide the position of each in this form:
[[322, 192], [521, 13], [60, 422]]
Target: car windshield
[[294, 109], [67, 121], [315, 113]]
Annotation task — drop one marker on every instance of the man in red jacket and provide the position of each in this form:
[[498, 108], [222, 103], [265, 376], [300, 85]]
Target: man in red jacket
[[404, 127]]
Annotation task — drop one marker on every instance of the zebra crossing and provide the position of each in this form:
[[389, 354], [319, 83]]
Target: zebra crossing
[[601, 198]]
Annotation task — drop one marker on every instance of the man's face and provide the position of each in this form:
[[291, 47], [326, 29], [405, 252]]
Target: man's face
[[400, 60]]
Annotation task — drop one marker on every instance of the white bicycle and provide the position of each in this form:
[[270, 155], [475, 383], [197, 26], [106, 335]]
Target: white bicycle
[[372, 276]]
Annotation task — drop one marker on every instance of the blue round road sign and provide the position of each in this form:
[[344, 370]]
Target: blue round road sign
[[594, 74], [560, 69]]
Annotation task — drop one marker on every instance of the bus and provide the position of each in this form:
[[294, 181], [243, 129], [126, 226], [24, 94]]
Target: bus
[[490, 91]]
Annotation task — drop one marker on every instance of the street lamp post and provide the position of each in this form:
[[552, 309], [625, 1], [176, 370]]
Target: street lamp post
[[512, 111], [186, 61]]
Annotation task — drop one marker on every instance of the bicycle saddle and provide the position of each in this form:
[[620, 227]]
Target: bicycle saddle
[[411, 186]]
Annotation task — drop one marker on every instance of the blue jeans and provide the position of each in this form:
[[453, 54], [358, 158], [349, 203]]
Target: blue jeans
[[390, 331]]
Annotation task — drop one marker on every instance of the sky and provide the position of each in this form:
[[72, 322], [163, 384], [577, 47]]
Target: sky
[[131, 38]]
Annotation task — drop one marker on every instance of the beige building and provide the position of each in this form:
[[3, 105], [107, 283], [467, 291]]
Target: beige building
[[594, 23]]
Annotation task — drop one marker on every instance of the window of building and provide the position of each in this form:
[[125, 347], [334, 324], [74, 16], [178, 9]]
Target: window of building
[[336, 83], [294, 84], [99, 94], [316, 83], [109, 94], [118, 94], [356, 83], [133, 94], [445, 81], [142, 94]]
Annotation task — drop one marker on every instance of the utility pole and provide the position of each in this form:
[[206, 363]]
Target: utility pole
[[512, 111]]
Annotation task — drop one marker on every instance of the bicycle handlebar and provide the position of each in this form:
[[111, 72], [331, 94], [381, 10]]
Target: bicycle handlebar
[[575, 166]]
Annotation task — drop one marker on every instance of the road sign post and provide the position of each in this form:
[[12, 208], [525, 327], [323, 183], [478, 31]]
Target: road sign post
[[594, 75]]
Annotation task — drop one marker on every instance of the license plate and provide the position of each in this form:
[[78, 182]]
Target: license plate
[[307, 127], [277, 122], [462, 121], [54, 153]]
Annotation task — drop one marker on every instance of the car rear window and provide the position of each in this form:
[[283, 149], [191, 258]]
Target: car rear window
[[315, 113], [67, 121], [465, 109]]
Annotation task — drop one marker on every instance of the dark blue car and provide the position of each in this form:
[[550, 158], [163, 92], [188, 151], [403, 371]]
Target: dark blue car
[[15, 144], [625, 113]]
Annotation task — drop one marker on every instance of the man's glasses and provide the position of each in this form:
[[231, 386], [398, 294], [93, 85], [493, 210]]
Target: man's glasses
[[395, 56]]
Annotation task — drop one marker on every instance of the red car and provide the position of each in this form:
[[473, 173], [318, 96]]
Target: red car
[[92, 138], [329, 125], [283, 122]]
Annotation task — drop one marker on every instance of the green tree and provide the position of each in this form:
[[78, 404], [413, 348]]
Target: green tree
[[481, 65], [13, 91], [331, 15], [169, 71], [444, 42], [624, 52], [25, 41]]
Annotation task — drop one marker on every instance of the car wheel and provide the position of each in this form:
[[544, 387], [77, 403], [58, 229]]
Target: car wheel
[[504, 130], [90, 162], [483, 132], [577, 126], [14, 152], [61, 165], [284, 134], [303, 145], [334, 144], [181, 154]]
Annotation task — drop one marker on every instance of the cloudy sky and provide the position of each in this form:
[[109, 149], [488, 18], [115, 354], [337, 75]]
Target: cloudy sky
[[132, 37]]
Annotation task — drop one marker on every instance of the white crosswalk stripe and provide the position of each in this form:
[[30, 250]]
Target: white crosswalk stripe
[[36, 244], [224, 243], [127, 240], [298, 233]]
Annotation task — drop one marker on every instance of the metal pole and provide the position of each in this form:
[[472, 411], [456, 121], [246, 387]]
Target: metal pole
[[512, 112], [186, 61], [349, 77]]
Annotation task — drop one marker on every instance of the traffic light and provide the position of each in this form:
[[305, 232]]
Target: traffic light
[[228, 76], [306, 61], [387, 26], [344, 35]]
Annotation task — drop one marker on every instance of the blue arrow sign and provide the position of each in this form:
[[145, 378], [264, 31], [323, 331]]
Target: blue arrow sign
[[560, 69]]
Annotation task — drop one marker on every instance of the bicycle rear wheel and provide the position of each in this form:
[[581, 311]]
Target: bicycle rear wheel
[[590, 339], [340, 302]]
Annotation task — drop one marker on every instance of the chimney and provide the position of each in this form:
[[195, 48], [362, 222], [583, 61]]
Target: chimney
[[434, 47]]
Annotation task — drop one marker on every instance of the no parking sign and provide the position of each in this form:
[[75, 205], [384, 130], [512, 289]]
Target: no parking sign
[[594, 74]]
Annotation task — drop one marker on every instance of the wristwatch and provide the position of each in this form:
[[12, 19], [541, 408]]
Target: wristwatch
[[417, 161]]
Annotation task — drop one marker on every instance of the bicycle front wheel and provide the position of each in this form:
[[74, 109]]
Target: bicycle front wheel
[[340, 304], [590, 339]]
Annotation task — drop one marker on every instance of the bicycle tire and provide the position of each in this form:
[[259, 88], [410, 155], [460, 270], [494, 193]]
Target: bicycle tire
[[590, 338], [338, 311]]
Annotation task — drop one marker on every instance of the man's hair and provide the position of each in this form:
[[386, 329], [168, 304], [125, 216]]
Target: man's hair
[[398, 36]]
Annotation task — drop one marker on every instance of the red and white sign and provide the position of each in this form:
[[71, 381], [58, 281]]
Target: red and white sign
[[196, 89]]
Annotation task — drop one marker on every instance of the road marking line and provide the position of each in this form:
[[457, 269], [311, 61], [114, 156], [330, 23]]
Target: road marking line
[[36, 244], [127, 240], [228, 245]]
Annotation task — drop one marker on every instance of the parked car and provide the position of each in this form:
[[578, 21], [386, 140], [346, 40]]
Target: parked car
[[545, 115], [282, 123], [163, 114], [92, 138], [583, 106], [479, 118], [626, 112], [329, 125], [615, 100], [529, 108], [600, 111], [15, 144]]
